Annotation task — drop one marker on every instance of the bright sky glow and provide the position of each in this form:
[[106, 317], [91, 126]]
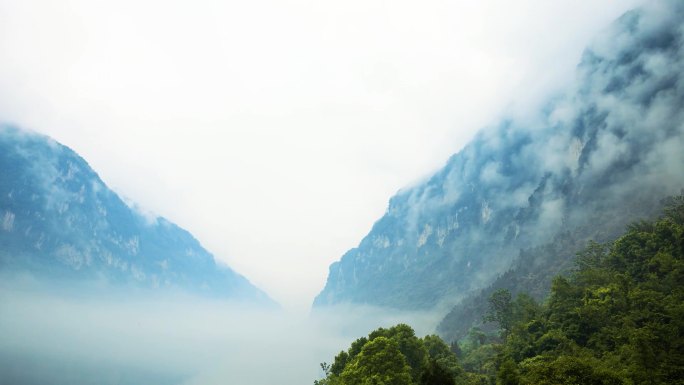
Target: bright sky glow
[[276, 131]]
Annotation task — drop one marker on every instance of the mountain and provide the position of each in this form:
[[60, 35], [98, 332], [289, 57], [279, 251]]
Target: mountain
[[592, 160], [60, 222]]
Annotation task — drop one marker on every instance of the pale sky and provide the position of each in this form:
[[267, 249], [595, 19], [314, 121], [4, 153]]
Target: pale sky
[[276, 131]]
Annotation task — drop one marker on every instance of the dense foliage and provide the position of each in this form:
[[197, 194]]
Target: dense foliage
[[616, 318], [394, 356]]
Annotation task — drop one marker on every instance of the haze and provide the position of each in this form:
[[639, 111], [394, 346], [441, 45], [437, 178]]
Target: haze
[[276, 131], [93, 334]]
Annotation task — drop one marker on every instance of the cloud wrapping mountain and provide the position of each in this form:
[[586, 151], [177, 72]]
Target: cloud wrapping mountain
[[59, 222], [592, 160]]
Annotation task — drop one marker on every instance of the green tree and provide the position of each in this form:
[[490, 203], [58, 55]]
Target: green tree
[[410, 346], [379, 363], [501, 310], [476, 338], [456, 349], [436, 374], [568, 370], [440, 352], [508, 373], [339, 363]]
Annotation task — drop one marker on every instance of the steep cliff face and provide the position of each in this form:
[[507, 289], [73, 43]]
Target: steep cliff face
[[593, 160], [59, 221]]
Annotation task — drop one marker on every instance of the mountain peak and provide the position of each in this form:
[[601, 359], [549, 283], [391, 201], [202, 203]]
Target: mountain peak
[[59, 220]]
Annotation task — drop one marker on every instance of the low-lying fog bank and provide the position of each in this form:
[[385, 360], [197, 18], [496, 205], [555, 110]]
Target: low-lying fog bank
[[58, 336]]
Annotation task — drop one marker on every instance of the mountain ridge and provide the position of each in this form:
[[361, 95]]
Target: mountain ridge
[[58, 219], [613, 141]]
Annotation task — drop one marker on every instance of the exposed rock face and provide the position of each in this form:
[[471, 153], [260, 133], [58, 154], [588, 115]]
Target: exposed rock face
[[593, 160], [59, 221]]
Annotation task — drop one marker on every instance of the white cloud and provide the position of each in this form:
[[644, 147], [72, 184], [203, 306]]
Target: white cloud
[[276, 131]]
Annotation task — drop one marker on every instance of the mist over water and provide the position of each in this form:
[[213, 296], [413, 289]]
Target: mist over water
[[62, 336]]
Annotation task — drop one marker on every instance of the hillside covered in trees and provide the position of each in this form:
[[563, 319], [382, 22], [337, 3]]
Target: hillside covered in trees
[[617, 317]]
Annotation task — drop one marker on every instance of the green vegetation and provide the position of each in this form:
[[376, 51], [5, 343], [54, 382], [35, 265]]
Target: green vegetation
[[616, 318], [394, 356]]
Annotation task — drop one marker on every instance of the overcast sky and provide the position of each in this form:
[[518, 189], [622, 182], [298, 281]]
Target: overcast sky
[[276, 131]]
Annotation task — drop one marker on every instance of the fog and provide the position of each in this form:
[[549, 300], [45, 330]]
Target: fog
[[275, 131], [77, 335], [612, 142]]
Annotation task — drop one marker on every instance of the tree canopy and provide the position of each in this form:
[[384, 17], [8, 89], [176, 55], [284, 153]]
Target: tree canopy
[[393, 356]]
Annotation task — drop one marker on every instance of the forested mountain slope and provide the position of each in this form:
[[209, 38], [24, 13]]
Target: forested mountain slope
[[616, 317]]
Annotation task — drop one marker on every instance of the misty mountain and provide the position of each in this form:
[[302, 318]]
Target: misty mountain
[[592, 160], [60, 223]]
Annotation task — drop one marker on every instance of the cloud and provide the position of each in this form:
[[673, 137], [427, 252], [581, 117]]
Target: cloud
[[90, 334], [275, 131]]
